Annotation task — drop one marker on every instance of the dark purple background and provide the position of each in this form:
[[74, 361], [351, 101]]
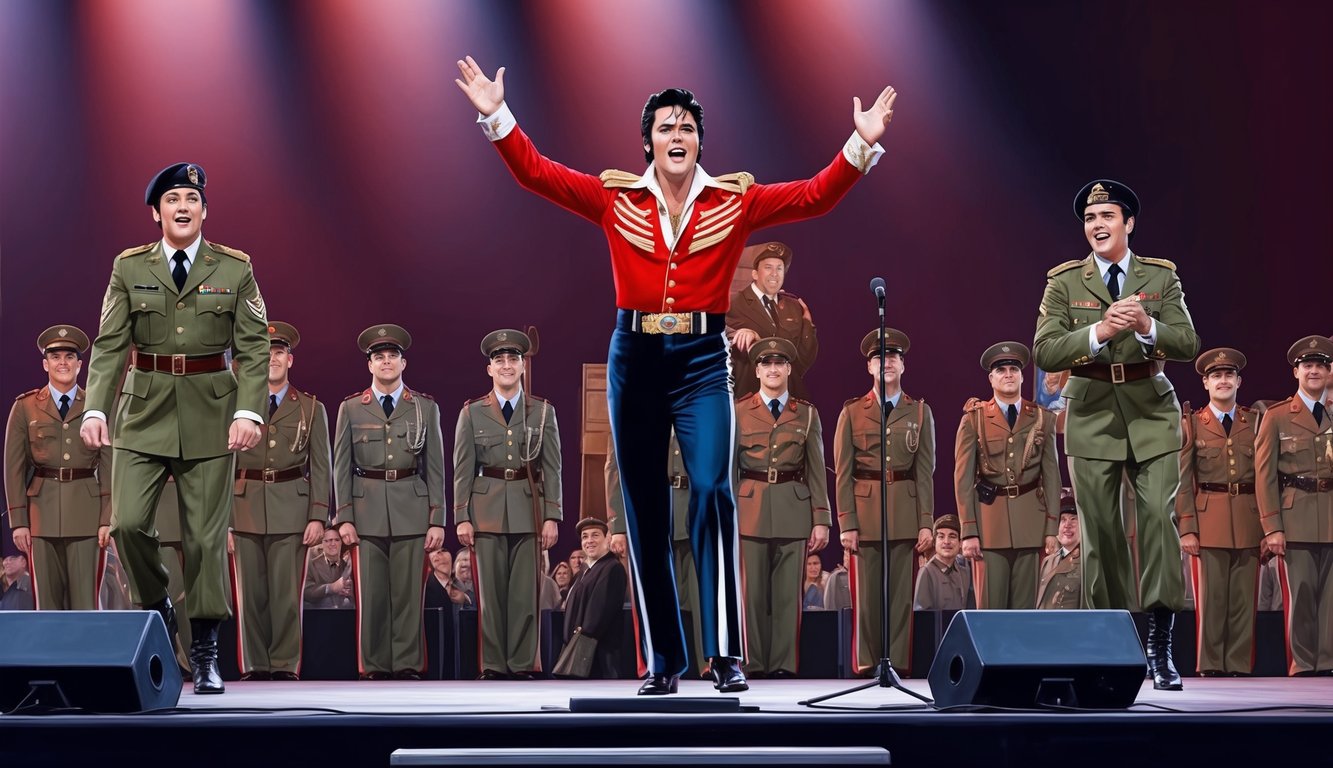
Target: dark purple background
[[342, 158]]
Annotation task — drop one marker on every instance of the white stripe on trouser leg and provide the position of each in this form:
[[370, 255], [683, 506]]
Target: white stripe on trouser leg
[[641, 605]]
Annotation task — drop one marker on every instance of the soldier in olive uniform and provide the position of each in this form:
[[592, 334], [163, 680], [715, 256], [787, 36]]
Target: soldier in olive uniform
[[57, 489], [506, 503], [909, 462], [281, 507], [1061, 585], [1217, 514], [1007, 482], [687, 579], [782, 507], [1112, 319], [171, 311], [1293, 469], [762, 309], [388, 480]]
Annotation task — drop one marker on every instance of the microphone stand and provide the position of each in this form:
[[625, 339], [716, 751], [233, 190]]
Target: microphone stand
[[885, 675]]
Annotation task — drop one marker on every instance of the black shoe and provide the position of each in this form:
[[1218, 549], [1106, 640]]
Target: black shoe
[[285, 677], [660, 685], [407, 674], [257, 675], [727, 675], [782, 674], [1213, 673], [168, 613], [490, 674], [204, 656], [375, 676], [1164, 674], [526, 675]]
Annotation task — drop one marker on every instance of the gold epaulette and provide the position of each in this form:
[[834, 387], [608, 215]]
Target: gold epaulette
[[29, 393], [1065, 267], [735, 182], [613, 179], [1171, 265], [232, 252], [972, 404], [136, 249]]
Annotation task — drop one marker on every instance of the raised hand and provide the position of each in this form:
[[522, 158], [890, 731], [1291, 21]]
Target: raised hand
[[485, 94], [870, 123]]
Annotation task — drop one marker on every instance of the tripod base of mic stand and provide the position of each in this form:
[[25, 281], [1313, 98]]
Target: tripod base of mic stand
[[885, 677]]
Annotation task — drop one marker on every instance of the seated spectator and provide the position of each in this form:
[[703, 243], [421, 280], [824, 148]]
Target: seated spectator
[[463, 573], [16, 584], [1061, 582], [942, 585], [442, 588], [563, 579], [328, 581], [812, 589], [576, 566], [596, 606], [837, 587]]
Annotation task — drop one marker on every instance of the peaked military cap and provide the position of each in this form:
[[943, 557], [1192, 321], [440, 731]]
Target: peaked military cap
[[387, 336], [772, 347], [1105, 191], [1316, 348], [757, 253], [174, 177], [62, 337], [590, 522], [1222, 358], [283, 333], [1067, 505], [895, 341], [949, 521], [505, 340], [1005, 353]]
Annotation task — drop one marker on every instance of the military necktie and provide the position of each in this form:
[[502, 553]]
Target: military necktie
[[1226, 422], [772, 309], [1319, 414], [1113, 281], [1011, 415], [64, 406], [508, 410], [273, 404], [888, 409], [776, 407], [178, 272], [387, 402]]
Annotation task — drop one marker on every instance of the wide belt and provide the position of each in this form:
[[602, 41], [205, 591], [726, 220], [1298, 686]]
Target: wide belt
[[502, 473], [1013, 491], [1307, 484], [271, 475], [896, 476], [390, 475], [66, 474], [774, 476], [681, 482], [180, 365], [1116, 373], [691, 323], [1231, 489]]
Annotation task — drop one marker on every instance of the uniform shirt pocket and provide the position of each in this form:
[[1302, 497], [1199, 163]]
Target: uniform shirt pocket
[[148, 317], [215, 314]]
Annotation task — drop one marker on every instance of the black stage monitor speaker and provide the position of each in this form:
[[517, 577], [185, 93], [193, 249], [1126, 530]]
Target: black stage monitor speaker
[[1024, 659], [100, 661]]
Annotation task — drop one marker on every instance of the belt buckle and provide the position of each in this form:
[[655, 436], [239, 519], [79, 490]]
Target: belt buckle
[[1011, 491], [668, 323], [772, 475], [391, 475], [65, 474], [511, 474], [1117, 373], [677, 481], [270, 475], [1233, 489], [178, 365]]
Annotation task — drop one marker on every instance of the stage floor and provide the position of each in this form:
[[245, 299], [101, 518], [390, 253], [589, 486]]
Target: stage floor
[[1225, 720]]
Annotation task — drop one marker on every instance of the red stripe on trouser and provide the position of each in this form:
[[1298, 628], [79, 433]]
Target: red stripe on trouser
[[1286, 610], [356, 579], [1196, 579], [239, 595]]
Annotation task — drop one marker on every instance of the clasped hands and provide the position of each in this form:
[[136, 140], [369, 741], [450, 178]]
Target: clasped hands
[[1122, 315]]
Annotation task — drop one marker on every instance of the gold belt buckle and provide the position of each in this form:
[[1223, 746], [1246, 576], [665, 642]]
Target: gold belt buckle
[[178, 365], [1117, 373], [1011, 491], [511, 474], [391, 475], [65, 474]]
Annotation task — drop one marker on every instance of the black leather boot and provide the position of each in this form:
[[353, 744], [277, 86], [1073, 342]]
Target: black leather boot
[[727, 675], [204, 656], [168, 613], [1164, 674]]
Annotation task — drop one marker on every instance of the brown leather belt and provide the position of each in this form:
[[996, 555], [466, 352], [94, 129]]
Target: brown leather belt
[[180, 365], [271, 475], [896, 476], [681, 482], [65, 474], [774, 476], [500, 473], [390, 475], [1307, 484], [1230, 489], [1014, 491], [1116, 373]]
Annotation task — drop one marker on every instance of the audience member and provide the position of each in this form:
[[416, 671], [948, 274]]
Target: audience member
[[812, 587], [942, 585], [563, 578], [442, 587], [596, 602], [1061, 581], [16, 584], [837, 587], [328, 581], [463, 572]]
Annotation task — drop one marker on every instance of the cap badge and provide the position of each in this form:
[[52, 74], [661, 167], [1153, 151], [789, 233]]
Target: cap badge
[[774, 247], [1221, 355], [1314, 343], [772, 345], [63, 332], [382, 332], [503, 336], [193, 174], [1098, 195], [1004, 348]]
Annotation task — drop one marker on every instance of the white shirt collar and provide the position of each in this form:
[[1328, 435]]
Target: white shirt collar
[[1219, 414], [55, 393], [501, 400], [1103, 264], [191, 251], [397, 393], [1309, 402], [782, 398], [282, 393]]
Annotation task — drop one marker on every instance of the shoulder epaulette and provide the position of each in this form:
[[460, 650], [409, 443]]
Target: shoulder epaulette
[[232, 252], [735, 182], [1171, 265], [419, 393], [613, 179], [1065, 267], [972, 404], [802, 402], [307, 394], [853, 400], [535, 398], [475, 400], [1243, 409], [136, 249], [788, 294], [29, 393], [354, 395], [1186, 409]]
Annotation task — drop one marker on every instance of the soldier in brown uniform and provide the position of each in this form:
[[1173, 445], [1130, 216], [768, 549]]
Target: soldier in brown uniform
[[1007, 483], [506, 504], [909, 458], [281, 507], [388, 479], [762, 309], [782, 507], [1293, 468], [57, 490], [1218, 517], [1062, 572]]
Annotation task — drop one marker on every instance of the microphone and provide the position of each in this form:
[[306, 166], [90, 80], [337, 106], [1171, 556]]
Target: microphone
[[877, 288]]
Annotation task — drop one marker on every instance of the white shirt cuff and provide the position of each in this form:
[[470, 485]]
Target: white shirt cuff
[[1095, 347], [860, 154], [498, 125], [94, 415], [1150, 339], [251, 415]]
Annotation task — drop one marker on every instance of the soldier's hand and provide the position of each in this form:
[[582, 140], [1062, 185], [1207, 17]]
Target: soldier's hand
[[972, 548], [23, 540], [103, 536], [1052, 545], [243, 435], [485, 94], [550, 534], [314, 531], [744, 339], [1189, 544], [1276, 543], [94, 434], [870, 123], [818, 539], [1134, 313], [465, 534], [434, 538], [348, 533], [619, 544], [925, 541], [850, 540], [231, 543]]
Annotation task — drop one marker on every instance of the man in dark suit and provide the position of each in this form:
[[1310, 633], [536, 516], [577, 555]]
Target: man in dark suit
[[596, 602], [762, 310]]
